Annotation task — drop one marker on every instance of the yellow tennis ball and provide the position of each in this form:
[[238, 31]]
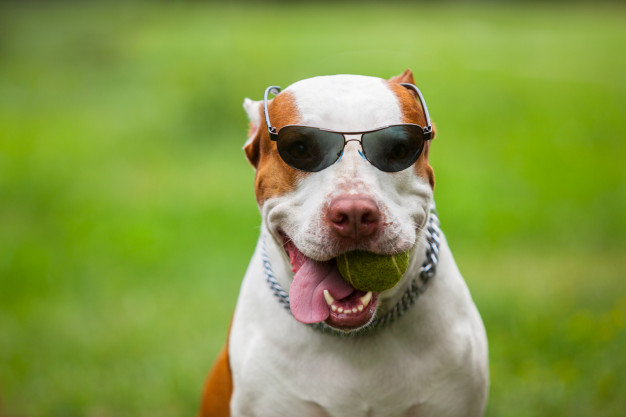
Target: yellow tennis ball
[[367, 271]]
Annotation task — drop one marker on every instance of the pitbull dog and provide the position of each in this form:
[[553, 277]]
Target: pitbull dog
[[341, 165]]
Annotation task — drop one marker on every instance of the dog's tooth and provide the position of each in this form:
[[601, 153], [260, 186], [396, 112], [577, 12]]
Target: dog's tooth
[[340, 310], [366, 298], [329, 298], [354, 310], [333, 307], [360, 307]]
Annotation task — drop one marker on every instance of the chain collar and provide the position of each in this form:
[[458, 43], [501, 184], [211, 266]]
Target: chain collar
[[416, 287]]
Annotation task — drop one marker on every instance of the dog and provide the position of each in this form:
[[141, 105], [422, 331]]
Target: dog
[[342, 165]]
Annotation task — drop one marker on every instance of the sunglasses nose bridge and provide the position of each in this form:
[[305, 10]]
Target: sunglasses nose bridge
[[356, 139], [352, 137]]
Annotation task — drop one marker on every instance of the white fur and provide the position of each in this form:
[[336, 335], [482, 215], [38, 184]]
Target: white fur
[[346, 103], [431, 362]]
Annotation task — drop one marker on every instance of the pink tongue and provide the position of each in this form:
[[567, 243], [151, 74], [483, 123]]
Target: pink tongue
[[306, 294]]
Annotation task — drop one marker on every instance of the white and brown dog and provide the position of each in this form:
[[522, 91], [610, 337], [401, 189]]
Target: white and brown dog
[[342, 164]]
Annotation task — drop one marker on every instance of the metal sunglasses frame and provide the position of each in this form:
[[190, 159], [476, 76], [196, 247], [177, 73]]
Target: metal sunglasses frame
[[354, 137], [273, 132]]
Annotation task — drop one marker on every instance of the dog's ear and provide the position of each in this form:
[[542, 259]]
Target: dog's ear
[[424, 168], [251, 147], [405, 77]]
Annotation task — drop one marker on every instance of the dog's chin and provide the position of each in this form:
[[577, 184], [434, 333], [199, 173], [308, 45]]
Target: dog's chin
[[319, 293]]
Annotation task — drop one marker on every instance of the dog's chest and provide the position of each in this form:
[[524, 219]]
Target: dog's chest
[[284, 368], [331, 379]]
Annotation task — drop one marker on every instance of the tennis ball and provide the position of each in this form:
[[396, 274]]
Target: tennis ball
[[367, 271]]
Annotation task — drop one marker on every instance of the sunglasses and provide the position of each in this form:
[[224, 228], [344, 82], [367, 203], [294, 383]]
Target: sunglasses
[[311, 149]]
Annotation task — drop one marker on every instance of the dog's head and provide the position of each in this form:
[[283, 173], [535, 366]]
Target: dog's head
[[348, 205]]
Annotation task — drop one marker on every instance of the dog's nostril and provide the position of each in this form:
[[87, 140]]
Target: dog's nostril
[[369, 218], [339, 218]]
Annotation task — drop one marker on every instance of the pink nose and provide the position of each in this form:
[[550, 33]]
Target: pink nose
[[354, 217]]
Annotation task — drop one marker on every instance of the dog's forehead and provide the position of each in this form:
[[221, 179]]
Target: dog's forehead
[[346, 103]]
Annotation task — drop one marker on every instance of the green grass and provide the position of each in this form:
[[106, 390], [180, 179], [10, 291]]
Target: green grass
[[127, 215]]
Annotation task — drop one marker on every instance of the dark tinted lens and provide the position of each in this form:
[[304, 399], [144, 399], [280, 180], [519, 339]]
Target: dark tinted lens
[[309, 149], [394, 148]]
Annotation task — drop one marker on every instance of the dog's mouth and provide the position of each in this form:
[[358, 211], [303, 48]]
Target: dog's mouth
[[318, 293]]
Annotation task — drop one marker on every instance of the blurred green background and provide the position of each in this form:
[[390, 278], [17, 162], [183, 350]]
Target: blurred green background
[[127, 215]]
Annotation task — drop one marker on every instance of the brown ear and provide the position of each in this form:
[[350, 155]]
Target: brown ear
[[251, 147], [405, 77]]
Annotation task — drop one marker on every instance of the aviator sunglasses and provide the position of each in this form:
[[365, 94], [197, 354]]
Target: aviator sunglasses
[[311, 149]]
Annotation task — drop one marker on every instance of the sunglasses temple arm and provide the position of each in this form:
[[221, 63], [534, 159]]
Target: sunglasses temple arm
[[274, 89], [428, 131]]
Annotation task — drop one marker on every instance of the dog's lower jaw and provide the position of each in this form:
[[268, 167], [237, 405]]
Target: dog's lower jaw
[[318, 293], [358, 318], [353, 315]]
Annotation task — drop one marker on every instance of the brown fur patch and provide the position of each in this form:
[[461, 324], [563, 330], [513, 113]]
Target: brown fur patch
[[413, 113], [218, 388], [273, 176]]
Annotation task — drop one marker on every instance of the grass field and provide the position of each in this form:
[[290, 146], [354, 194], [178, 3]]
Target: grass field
[[127, 215]]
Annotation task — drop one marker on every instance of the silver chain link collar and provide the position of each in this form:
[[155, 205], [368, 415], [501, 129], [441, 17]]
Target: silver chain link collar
[[416, 287]]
